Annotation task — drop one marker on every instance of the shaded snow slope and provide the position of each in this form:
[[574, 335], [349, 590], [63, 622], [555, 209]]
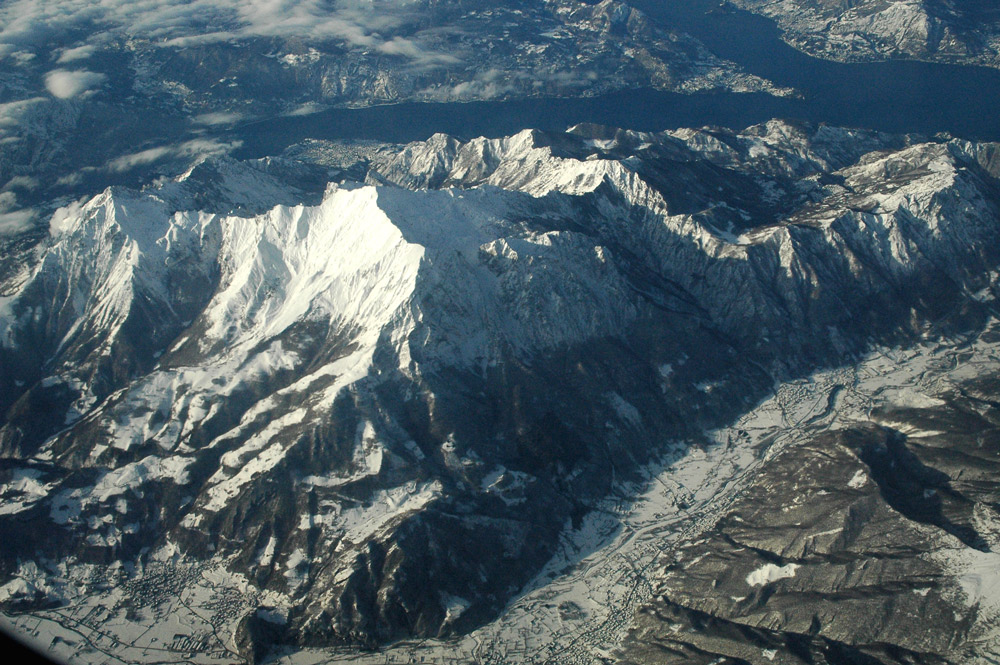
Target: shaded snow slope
[[384, 405]]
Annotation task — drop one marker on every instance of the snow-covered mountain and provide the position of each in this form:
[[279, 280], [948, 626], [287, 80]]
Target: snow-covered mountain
[[966, 32], [91, 94], [380, 410]]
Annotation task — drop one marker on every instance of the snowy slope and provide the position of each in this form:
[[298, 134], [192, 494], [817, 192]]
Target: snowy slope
[[938, 30], [384, 405]]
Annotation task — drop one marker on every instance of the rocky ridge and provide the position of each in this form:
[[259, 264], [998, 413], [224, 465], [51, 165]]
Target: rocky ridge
[[935, 30], [366, 403]]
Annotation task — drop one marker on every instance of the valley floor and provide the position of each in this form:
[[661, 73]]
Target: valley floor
[[580, 608]]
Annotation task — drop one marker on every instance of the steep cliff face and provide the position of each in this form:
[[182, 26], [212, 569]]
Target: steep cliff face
[[385, 406]]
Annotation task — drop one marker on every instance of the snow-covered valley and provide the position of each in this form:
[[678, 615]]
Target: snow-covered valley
[[471, 398]]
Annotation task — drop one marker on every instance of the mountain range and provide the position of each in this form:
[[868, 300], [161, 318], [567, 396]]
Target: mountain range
[[373, 398]]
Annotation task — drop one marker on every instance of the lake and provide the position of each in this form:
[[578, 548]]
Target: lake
[[896, 96]]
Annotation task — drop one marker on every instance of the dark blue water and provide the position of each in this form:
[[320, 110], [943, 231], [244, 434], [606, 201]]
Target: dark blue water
[[898, 96]]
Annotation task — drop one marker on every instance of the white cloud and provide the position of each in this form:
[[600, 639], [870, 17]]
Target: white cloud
[[22, 58], [13, 114], [214, 119], [411, 49], [75, 178], [126, 162], [15, 222], [78, 53], [66, 84], [307, 108], [64, 218], [468, 90], [22, 182], [190, 149]]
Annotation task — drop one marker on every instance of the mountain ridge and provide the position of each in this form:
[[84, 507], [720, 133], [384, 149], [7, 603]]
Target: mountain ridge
[[378, 386]]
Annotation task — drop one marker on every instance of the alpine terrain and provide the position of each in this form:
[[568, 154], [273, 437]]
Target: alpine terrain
[[953, 31], [588, 396]]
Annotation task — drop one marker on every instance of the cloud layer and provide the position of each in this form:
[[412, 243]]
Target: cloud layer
[[377, 25], [37, 22]]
